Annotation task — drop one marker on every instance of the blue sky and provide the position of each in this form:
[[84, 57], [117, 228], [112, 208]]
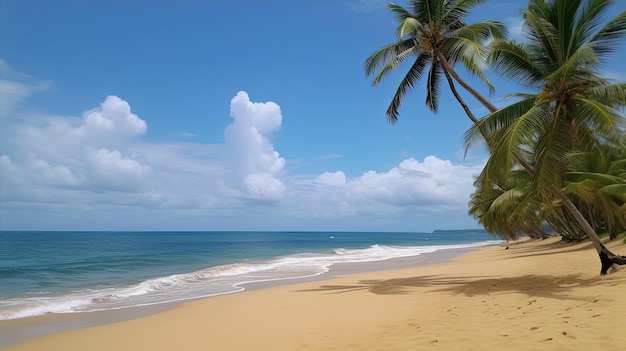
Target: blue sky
[[224, 115]]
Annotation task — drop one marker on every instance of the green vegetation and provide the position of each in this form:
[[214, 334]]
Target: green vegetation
[[557, 154], [435, 33]]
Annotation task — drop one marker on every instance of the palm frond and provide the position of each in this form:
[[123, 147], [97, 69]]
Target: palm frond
[[433, 86], [515, 134], [471, 54], [577, 66], [482, 31], [407, 84], [616, 190], [604, 121], [552, 144], [609, 94], [584, 190], [589, 19], [498, 120], [388, 55], [566, 18], [618, 168], [426, 10], [399, 12], [455, 11], [542, 34], [410, 27], [513, 62], [604, 41], [598, 178]]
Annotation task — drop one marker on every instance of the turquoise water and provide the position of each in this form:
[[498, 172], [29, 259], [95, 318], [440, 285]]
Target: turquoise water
[[62, 272]]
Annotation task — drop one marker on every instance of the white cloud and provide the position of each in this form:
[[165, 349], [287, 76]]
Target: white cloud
[[264, 186], [515, 26], [248, 140], [82, 153], [413, 183], [113, 117], [55, 175], [15, 88], [96, 170], [414, 191], [111, 169], [334, 178]]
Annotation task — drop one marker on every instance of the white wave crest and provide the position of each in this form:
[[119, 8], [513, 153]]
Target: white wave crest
[[206, 282]]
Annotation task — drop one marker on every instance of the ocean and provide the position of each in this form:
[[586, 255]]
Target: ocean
[[65, 272]]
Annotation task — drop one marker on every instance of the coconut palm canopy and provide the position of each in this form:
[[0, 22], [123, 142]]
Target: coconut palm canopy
[[434, 34], [573, 107]]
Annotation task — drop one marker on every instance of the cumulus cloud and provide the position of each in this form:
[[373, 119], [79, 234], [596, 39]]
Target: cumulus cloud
[[427, 185], [113, 117], [110, 168], [431, 182], [332, 178], [82, 152], [248, 140], [96, 169], [55, 175]]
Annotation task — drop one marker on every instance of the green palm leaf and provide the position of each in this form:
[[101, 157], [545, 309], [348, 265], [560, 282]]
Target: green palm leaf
[[433, 32], [604, 40]]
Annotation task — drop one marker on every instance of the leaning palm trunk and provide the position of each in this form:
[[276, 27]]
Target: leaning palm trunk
[[561, 33], [458, 97], [447, 68], [607, 258], [575, 106]]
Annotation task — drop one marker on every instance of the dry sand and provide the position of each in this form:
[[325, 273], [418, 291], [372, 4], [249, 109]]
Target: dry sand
[[537, 295]]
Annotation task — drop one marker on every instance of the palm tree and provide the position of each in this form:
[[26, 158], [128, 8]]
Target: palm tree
[[574, 107], [488, 204], [434, 33], [596, 182]]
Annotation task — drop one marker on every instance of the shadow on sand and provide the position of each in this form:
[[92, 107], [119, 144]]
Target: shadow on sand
[[536, 285]]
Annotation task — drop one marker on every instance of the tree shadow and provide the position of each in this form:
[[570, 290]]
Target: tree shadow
[[549, 248], [532, 285]]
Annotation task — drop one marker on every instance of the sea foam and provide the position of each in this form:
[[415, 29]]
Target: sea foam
[[211, 281]]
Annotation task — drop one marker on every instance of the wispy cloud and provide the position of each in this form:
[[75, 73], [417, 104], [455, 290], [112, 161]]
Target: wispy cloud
[[516, 28], [16, 87]]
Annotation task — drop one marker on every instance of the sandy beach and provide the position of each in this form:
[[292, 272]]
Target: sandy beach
[[536, 295]]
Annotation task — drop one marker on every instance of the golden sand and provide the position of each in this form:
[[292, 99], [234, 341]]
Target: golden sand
[[537, 295]]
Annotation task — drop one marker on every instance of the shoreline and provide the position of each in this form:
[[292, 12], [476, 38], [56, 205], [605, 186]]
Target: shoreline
[[536, 295], [16, 331]]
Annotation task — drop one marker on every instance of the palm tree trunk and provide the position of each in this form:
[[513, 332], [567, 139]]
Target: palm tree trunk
[[607, 258], [459, 98], [447, 68]]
